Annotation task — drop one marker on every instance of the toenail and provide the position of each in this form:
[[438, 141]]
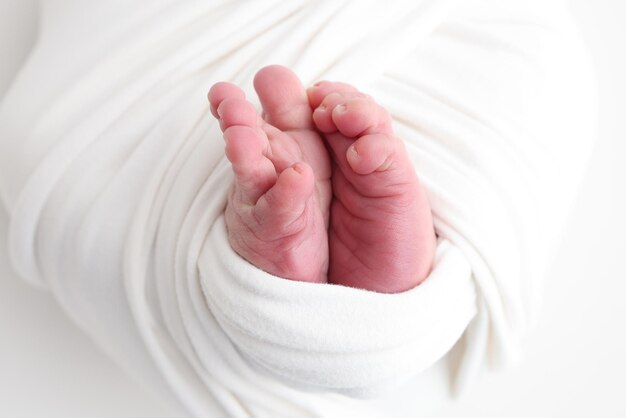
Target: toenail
[[297, 168], [341, 108], [353, 152], [321, 107]]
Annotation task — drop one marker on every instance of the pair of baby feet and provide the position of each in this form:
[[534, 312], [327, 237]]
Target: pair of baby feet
[[324, 191]]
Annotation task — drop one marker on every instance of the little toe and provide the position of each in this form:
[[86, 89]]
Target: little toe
[[221, 91], [284, 100]]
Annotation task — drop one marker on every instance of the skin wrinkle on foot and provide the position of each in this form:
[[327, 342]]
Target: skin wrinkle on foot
[[329, 125]]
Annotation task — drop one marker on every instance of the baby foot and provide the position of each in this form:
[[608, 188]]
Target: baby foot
[[381, 234], [277, 210]]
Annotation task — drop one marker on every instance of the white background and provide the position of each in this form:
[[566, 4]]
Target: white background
[[575, 363]]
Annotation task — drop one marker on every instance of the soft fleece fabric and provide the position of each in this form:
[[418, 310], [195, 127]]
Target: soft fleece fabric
[[114, 176]]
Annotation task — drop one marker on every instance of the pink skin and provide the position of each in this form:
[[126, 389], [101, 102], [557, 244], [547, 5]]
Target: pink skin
[[277, 211], [295, 168], [381, 234]]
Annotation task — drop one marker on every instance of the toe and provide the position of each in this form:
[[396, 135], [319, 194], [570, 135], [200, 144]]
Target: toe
[[221, 91], [254, 172], [361, 116], [283, 206], [322, 115], [318, 92], [352, 114], [237, 111], [284, 100], [375, 152]]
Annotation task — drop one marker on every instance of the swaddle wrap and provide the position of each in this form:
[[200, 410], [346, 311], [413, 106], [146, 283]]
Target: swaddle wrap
[[114, 177]]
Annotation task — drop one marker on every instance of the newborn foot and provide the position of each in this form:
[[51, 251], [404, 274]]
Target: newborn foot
[[381, 234], [277, 211]]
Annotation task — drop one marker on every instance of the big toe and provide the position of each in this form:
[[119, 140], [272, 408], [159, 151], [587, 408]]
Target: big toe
[[284, 99]]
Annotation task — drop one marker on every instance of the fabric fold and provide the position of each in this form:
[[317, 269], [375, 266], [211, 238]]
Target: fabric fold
[[113, 174]]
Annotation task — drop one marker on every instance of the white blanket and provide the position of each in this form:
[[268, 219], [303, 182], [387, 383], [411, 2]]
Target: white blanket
[[114, 177]]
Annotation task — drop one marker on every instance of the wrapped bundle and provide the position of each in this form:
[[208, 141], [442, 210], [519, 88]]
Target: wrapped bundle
[[114, 176]]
